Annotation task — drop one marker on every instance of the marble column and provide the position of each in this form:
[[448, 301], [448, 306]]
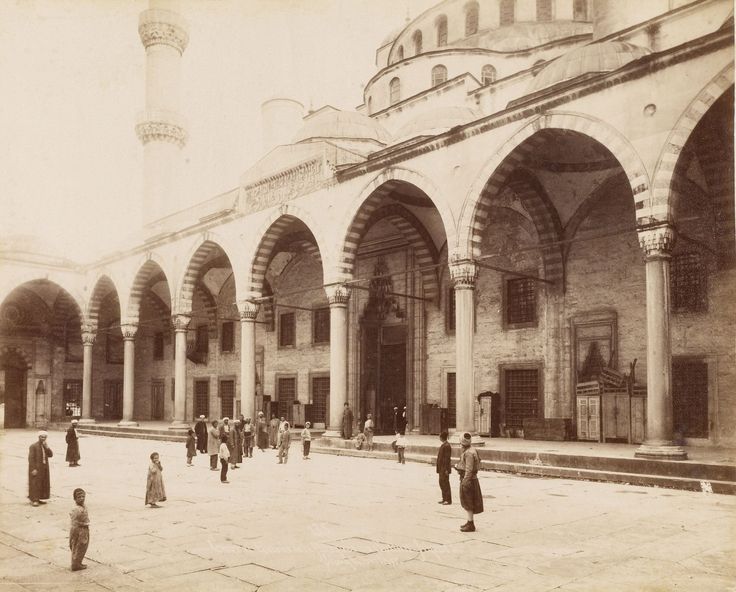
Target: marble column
[[181, 324], [129, 330], [248, 312], [88, 340], [463, 274], [338, 296], [657, 244]]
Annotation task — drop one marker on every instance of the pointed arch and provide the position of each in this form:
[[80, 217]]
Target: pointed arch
[[102, 286], [474, 213], [64, 282], [147, 270], [659, 207]]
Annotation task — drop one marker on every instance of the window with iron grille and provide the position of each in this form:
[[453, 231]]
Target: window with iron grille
[[544, 11], [690, 398], [450, 309], [471, 19], [202, 342], [394, 91], [439, 75], [287, 329], [321, 325], [580, 10], [442, 31], [688, 283], [521, 301], [227, 336], [521, 395], [487, 75], [287, 395], [417, 40], [451, 400], [73, 398], [320, 398], [227, 398], [201, 397], [158, 346], [506, 12]]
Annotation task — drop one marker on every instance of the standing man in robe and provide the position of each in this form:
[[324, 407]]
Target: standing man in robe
[[200, 429], [72, 445], [39, 481], [273, 431], [347, 422]]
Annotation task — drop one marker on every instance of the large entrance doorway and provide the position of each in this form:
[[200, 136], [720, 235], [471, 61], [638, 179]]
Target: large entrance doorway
[[13, 391]]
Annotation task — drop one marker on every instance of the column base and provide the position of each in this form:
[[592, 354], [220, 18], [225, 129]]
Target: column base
[[475, 439], [332, 433], [86, 421], [661, 451], [128, 423], [179, 425]]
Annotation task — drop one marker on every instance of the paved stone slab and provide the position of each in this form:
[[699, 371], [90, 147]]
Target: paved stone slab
[[254, 574]]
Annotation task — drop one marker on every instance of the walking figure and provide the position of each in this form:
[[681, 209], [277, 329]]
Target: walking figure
[[471, 497]]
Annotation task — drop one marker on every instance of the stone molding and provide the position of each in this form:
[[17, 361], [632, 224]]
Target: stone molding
[[463, 274], [657, 242], [337, 294], [181, 322], [161, 131], [248, 311], [88, 337], [129, 330], [162, 27]]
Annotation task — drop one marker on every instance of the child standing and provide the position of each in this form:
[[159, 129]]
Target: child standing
[[248, 438], [284, 441], [79, 531], [224, 455], [191, 447], [306, 440], [155, 483], [400, 447], [444, 469], [368, 430]]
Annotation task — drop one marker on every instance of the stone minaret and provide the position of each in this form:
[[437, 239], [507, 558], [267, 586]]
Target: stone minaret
[[160, 128]]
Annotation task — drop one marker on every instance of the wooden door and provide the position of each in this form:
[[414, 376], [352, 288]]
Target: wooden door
[[393, 382], [15, 397], [113, 408], [157, 400]]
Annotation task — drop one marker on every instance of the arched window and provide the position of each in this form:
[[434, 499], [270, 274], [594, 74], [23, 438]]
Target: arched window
[[487, 75], [394, 91], [400, 53], [544, 11], [439, 75], [441, 31], [580, 10], [417, 39], [471, 18], [506, 16]]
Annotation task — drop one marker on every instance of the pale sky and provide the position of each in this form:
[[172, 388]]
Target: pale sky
[[73, 81]]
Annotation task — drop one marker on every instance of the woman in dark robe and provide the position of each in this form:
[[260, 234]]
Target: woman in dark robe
[[471, 497]]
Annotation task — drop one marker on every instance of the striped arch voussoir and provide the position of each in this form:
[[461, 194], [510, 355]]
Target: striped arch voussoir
[[144, 274]]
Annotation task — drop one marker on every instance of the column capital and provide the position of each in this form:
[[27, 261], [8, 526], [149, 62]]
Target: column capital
[[463, 273], [129, 330], [181, 322], [88, 336], [161, 126], [247, 310], [337, 294], [657, 242], [163, 27]]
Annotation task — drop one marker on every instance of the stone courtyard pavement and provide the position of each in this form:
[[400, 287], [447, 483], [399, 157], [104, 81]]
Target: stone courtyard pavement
[[341, 523]]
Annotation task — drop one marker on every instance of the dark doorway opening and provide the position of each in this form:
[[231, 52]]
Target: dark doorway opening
[[113, 409], [157, 400], [13, 391]]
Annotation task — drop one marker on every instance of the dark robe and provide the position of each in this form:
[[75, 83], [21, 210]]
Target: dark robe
[[200, 428], [72, 446], [347, 424], [39, 485], [261, 433]]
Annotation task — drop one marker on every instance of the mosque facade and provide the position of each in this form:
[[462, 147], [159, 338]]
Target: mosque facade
[[525, 229]]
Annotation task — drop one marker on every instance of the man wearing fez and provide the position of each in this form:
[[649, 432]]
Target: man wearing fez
[[39, 482]]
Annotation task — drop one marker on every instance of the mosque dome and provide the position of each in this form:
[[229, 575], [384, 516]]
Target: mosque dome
[[332, 124], [436, 121], [595, 58]]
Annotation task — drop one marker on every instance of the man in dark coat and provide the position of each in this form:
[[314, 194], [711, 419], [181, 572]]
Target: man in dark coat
[[200, 429], [39, 482], [72, 445], [444, 469], [347, 423], [397, 416]]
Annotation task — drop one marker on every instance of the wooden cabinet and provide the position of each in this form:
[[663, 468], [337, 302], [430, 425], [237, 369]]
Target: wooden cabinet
[[616, 417], [589, 417], [638, 419]]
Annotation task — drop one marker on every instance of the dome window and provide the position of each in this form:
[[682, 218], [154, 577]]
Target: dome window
[[400, 53], [580, 10], [506, 15], [544, 11], [394, 91], [442, 31], [471, 19], [417, 40], [487, 75], [439, 75]]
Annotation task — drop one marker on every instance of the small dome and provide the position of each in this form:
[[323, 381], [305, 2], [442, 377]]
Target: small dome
[[523, 36], [589, 59], [436, 121], [330, 123]]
